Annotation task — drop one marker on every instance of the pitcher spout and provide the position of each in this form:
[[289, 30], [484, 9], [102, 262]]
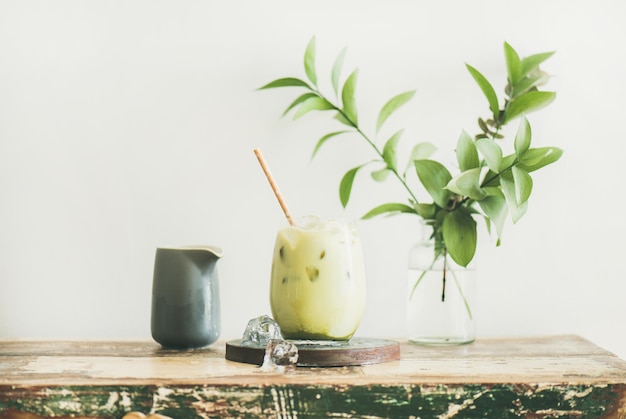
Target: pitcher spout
[[214, 250]]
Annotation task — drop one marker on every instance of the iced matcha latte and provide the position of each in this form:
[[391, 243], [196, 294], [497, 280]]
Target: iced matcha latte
[[317, 286]]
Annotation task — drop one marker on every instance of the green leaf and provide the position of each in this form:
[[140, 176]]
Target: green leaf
[[467, 183], [348, 97], [336, 73], [508, 187], [324, 139], [528, 102], [488, 225], [426, 211], [528, 83], [532, 62], [522, 138], [487, 90], [391, 106], [434, 176], [536, 158], [491, 179], [299, 100], [381, 174], [309, 62], [339, 117], [466, 153], [507, 162], [345, 186], [286, 82], [523, 184], [421, 151], [389, 150], [491, 152], [459, 234], [315, 103], [494, 206], [391, 208], [513, 64]]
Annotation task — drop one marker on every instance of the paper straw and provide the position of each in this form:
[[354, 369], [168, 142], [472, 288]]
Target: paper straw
[[270, 178]]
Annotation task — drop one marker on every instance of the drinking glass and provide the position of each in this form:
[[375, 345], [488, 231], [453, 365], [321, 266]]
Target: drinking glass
[[317, 287]]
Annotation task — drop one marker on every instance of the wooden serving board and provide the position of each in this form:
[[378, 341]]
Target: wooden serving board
[[356, 351]]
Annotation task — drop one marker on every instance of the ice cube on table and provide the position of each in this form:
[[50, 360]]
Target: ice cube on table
[[260, 331], [280, 355]]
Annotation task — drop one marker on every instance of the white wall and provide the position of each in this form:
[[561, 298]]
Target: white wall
[[125, 125]]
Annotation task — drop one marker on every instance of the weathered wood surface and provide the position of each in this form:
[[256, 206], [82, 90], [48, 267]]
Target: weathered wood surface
[[548, 377]]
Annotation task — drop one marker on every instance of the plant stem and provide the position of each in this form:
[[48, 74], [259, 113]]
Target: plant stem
[[371, 143], [443, 287], [458, 286], [424, 272], [393, 169]]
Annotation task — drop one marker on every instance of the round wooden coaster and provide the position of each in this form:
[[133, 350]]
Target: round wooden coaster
[[318, 353]]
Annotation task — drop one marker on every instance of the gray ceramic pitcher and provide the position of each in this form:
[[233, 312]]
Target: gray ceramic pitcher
[[185, 296]]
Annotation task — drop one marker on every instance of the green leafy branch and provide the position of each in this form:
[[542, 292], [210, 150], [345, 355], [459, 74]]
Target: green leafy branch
[[490, 184]]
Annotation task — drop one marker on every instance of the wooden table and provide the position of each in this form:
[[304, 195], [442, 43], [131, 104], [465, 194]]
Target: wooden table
[[547, 377]]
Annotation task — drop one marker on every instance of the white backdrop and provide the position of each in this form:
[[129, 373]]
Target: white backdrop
[[125, 125]]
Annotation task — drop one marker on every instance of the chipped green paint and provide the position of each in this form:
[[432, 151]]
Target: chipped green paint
[[498, 401]]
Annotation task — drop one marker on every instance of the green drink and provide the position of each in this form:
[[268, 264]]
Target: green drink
[[317, 288]]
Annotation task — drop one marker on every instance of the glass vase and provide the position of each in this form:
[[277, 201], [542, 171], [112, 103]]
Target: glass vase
[[440, 296]]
